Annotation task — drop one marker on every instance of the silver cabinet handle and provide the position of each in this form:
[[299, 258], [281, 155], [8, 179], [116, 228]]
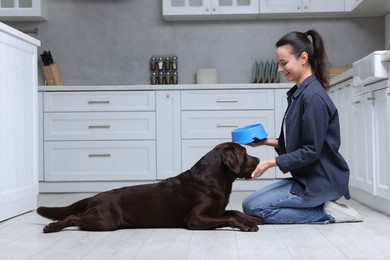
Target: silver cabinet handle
[[227, 125], [99, 127], [227, 100], [99, 155], [370, 98], [94, 102], [356, 102]]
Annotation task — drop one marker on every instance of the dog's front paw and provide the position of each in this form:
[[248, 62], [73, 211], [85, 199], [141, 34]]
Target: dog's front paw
[[50, 228], [253, 228]]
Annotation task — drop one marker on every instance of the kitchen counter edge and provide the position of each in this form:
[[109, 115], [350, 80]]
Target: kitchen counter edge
[[164, 87]]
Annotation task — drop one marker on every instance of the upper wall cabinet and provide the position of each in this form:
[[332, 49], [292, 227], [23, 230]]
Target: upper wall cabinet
[[301, 8], [23, 10], [210, 9], [352, 4]]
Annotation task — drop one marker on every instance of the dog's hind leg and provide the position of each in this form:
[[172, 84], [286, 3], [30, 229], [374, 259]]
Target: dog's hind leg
[[59, 225], [94, 219]]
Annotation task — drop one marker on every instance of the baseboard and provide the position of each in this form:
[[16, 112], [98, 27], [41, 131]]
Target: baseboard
[[371, 201]]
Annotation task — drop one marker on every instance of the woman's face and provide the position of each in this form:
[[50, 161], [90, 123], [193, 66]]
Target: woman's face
[[292, 67]]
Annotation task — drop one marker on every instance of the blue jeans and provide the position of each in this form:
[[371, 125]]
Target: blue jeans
[[276, 205]]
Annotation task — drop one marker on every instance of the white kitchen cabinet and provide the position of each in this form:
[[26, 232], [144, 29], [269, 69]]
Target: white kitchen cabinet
[[304, 8], [382, 142], [168, 118], [94, 139], [352, 4], [342, 95], [209, 116], [196, 9], [18, 123], [23, 10], [100, 160], [100, 126], [362, 149], [99, 136]]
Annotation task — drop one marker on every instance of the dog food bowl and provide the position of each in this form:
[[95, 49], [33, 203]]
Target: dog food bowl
[[247, 134]]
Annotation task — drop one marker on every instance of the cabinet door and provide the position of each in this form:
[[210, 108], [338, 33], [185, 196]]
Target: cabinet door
[[23, 10], [86, 101], [100, 160], [186, 7], [219, 124], [362, 129], [18, 126], [280, 6], [168, 134], [235, 7], [382, 142], [321, 6], [100, 126], [227, 99]]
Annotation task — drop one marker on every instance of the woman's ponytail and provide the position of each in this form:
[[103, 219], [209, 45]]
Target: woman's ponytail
[[319, 60]]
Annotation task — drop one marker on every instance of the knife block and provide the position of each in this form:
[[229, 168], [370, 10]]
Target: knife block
[[53, 75]]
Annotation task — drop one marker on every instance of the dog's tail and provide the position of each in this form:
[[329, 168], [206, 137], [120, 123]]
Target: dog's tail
[[60, 213]]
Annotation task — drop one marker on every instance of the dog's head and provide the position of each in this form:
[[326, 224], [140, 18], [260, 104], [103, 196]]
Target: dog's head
[[237, 160]]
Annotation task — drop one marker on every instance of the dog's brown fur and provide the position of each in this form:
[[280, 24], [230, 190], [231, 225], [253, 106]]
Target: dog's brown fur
[[195, 199]]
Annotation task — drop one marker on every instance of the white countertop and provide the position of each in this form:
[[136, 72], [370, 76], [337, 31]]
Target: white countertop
[[165, 87], [18, 34], [341, 77]]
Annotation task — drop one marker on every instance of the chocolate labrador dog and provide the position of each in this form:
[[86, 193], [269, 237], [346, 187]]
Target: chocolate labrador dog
[[195, 199]]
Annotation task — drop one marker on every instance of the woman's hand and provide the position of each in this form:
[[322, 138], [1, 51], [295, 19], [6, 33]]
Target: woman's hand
[[257, 142], [267, 141], [262, 167]]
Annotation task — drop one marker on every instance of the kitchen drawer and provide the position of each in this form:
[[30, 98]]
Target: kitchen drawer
[[99, 101], [227, 99], [99, 126], [193, 150], [219, 124], [100, 161]]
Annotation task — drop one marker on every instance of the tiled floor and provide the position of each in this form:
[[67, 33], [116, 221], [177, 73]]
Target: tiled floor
[[22, 238]]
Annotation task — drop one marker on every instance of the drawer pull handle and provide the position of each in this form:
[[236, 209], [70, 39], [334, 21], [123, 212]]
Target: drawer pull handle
[[227, 100], [227, 125], [356, 102], [99, 155], [370, 98], [99, 126], [92, 102]]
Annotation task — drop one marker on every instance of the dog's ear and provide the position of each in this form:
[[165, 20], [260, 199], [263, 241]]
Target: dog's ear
[[232, 159]]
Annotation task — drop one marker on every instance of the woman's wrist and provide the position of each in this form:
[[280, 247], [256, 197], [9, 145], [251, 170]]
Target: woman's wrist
[[271, 142]]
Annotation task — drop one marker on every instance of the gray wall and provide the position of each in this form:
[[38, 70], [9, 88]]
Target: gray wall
[[111, 41]]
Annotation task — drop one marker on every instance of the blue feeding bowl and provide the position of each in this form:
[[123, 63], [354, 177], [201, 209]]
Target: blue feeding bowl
[[247, 134]]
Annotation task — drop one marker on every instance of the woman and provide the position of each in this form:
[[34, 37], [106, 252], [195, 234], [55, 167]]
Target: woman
[[307, 146]]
